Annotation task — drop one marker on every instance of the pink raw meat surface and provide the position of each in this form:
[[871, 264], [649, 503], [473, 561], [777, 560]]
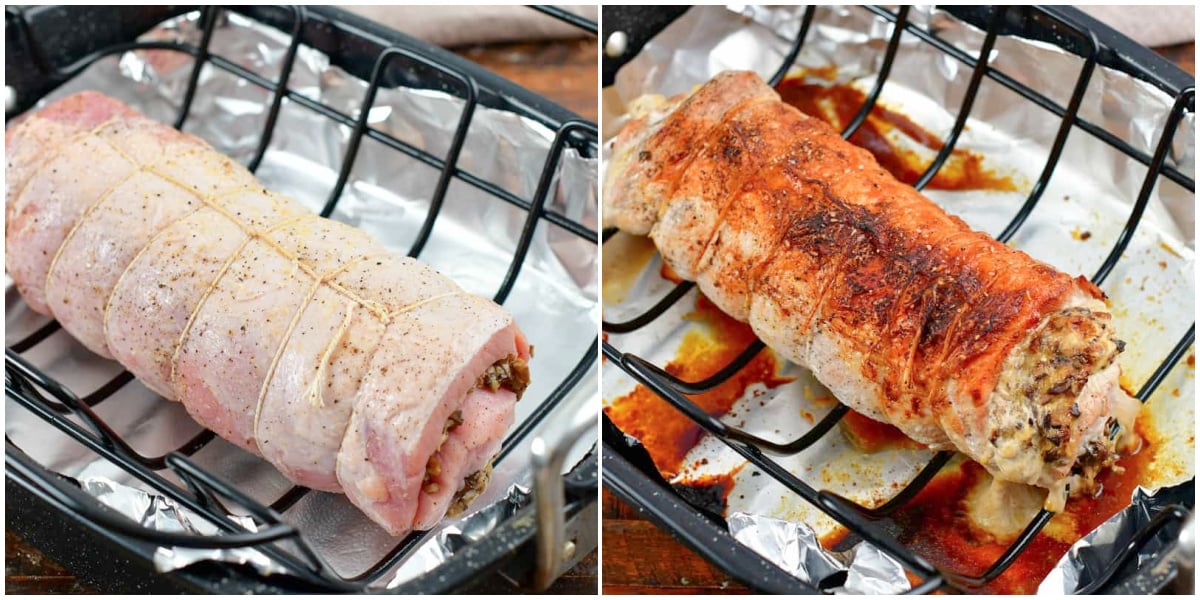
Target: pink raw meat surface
[[348, 367]]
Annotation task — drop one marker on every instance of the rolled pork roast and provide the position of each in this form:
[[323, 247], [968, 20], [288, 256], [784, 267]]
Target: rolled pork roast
[[303, 340], [903, 311]]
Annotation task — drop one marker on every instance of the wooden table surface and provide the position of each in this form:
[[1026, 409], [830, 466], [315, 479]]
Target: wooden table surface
[[564, 71], [640, 558]]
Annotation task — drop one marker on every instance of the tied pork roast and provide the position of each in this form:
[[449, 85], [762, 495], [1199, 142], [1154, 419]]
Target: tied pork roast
[[350, 368], [900, 309]]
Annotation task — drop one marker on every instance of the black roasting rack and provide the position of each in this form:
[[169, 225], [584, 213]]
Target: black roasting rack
[[627, 468], [48, 46]]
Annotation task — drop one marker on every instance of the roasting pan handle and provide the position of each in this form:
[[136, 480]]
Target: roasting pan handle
[[42, 42], [555, 549], [627, 29], [1185, 580]]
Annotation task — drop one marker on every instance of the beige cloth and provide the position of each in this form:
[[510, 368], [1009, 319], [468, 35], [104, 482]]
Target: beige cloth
[[461, 25], [1150, 26], [464, 25]]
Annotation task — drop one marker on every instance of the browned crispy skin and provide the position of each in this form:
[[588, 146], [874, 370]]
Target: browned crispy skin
[[902, 310], [727, 174], [924, 297], [661, 159]]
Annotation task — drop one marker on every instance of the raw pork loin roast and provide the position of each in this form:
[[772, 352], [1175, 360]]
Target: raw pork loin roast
[[350, 368]]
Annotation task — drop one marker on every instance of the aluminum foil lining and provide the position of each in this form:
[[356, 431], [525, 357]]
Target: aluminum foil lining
[[453, 538], [795, 548], [161, 513], [1152, 289], [555, 298], [1088, 559]]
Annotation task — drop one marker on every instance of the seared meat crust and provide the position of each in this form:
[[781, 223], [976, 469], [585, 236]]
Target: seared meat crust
[[902, 310]]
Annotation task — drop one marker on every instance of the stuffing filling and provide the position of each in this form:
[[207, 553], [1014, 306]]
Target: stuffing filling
[[511, 373], [433, 468], [473, 485], [1098, 454], [1043, 387]]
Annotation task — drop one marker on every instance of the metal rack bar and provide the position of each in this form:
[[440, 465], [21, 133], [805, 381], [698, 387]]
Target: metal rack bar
[[1060, 140], [913, 488], [636, 367], [23, 465], [567, 16], [1184, 98], [1040, 100], [299, 99], [409, 150], [360, 127], [649, 316], [201, 57], [790, 58], [539, 201], [1168, 363], [91, 400], [285, 73], [107, 444], [36, 337], [885, 69], [1008, 558], [801, 443], [968, 102], [699, 387]]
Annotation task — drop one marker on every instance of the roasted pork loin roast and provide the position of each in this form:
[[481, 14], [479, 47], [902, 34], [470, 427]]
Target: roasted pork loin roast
[[900, 309]]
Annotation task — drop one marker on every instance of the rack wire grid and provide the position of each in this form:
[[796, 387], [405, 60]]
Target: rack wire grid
[[206, 494], [858, 519]]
